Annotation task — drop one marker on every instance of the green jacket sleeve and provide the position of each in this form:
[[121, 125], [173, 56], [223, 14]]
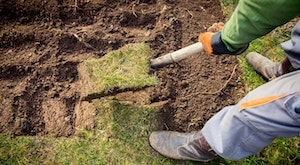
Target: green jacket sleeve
[[255, 18]]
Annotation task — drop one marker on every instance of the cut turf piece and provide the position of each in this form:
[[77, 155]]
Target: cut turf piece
[[118, 71]]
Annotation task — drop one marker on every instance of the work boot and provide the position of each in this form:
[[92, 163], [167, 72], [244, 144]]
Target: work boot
[[184, 146], [267, 68]]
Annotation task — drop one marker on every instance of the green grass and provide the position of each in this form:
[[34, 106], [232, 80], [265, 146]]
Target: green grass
[[126, 68], [122, 130], [19, 150], [121, 137]]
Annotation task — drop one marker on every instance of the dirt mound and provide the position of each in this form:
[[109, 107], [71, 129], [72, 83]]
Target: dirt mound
[[42, 43]]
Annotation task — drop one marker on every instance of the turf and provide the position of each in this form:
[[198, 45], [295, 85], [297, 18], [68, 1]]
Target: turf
[[125, 69]]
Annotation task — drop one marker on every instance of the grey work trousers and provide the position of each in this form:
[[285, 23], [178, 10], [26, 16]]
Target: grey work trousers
[[270, 111]]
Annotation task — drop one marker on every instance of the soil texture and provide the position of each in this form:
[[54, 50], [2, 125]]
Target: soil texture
[[43, 42]]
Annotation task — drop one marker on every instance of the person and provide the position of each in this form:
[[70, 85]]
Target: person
[[268, 112]]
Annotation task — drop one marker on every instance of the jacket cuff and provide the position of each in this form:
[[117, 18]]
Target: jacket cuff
[[220, 48]]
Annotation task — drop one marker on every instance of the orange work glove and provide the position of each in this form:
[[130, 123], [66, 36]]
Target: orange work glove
[[205, 38]]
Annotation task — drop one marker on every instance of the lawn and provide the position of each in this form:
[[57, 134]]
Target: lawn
[[122, 130]]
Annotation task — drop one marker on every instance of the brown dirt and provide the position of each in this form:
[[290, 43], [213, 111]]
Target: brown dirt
[[43, 42]]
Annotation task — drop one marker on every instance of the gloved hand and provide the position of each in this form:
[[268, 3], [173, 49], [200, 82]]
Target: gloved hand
[[205, 38], [213, 43]]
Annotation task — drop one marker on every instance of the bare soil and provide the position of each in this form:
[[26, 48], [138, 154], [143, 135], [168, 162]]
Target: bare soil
[[43, 42]]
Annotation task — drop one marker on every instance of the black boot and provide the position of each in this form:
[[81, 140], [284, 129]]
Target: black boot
[[267, 68], [184, 146]]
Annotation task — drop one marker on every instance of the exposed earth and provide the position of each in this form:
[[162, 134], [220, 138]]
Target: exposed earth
[[43, 42]]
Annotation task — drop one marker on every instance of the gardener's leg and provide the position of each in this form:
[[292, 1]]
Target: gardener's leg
[[241, 130], [270, 69], [268, 112]]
